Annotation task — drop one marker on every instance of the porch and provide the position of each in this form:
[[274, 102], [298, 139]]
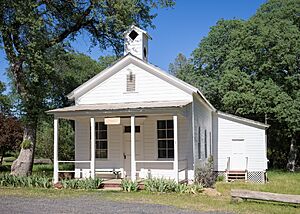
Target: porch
[[104, 141]]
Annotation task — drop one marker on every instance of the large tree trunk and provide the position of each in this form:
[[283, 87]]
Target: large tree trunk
[[23, 164], [292, 155]]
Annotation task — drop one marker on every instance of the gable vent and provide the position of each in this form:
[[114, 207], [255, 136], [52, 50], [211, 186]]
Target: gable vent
[[130, 82]]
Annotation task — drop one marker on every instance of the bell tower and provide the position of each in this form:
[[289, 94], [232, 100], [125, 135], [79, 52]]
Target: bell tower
[[136, 42]]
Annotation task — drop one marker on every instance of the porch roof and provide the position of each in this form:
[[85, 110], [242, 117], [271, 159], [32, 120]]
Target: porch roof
[[121, 106]]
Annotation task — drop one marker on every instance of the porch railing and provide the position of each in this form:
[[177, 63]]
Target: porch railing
[[71, 162]]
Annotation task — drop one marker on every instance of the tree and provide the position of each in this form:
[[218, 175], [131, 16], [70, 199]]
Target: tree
[[73, 70], [253, 70], [31, 30], [10, 134]]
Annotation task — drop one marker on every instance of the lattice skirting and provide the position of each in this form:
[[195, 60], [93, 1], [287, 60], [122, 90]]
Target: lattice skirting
[[256, 177], [252, 176]]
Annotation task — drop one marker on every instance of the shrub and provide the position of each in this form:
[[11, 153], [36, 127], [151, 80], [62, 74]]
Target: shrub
[[89, 183], [129, 186], [160, 185], [20, 181], [167, 185], [221, 178], [205, 175]]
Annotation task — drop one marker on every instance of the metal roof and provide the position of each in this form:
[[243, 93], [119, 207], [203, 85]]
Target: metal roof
[[121, 106]]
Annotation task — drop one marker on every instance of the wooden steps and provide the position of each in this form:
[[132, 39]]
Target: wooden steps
[[236, 176]]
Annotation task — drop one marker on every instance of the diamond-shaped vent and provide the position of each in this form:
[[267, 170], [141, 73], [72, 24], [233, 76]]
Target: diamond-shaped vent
[[133, 34]]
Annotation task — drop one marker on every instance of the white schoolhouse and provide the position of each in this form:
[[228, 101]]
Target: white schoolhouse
[[136, 121]]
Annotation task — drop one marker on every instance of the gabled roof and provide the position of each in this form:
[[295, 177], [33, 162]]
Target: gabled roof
[[126, 60], [244, 120]]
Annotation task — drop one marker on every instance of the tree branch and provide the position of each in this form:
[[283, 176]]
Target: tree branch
[[77, 26]]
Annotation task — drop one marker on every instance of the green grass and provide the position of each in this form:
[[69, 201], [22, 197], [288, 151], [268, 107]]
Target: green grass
[[279, 182]]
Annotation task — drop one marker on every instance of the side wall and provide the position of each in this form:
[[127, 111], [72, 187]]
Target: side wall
[[202, 119]]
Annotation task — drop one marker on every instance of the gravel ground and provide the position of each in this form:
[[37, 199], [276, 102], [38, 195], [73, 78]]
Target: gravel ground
[[13, 204]]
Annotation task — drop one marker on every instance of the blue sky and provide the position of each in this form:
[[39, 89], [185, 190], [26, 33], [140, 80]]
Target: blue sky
[[178, 30]]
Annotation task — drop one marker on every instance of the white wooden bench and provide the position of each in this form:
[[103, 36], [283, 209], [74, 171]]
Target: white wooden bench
[[265, 196]]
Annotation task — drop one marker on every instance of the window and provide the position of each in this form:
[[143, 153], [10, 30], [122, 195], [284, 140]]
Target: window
[[205, 143], [127, 129], [165, 137], [199, 142], [130, 82], [101, 140], [133, 34]]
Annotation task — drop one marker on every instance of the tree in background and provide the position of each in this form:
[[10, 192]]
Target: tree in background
[[31, 30], [72, 71], [252, 69], [10, 127]]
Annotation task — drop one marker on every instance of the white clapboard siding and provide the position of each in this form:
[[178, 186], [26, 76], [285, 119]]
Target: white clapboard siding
[[202, 119], [254, 138], [148, 88]]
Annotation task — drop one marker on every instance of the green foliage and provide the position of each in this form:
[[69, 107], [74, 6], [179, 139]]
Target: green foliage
[[5, 102], [204, 175], [220, 178], [160, 185], [44, 144], [89, 183], [26, 144], [129, 186], [251, 68], [22, 181], [165, 185]]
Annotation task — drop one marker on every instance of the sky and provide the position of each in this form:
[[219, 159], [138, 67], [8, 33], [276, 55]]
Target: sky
[[178, 30]]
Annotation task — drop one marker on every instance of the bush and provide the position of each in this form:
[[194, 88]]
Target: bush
[[160, 185], [129, 186], [167, 185], [20, 181], [221, 178], [205, 175], [89, 183]]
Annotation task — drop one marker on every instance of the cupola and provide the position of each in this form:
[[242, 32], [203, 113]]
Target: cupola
[[136, 42]]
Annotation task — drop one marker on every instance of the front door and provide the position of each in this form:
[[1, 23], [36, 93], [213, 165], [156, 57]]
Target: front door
[[238, 159], [127, 147]]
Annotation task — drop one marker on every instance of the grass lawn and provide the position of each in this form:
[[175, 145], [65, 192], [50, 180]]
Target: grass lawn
[[279, 181]]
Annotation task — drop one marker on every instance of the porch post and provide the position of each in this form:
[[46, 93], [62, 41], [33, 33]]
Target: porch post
[[55, 149], [175, 122], [132, 137], [92, 164]]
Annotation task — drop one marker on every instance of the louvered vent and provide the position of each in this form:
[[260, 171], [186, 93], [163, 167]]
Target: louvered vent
[[130, 82]]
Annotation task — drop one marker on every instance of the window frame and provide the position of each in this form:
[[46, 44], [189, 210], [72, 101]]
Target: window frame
[[101, 140], [166, 139]]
